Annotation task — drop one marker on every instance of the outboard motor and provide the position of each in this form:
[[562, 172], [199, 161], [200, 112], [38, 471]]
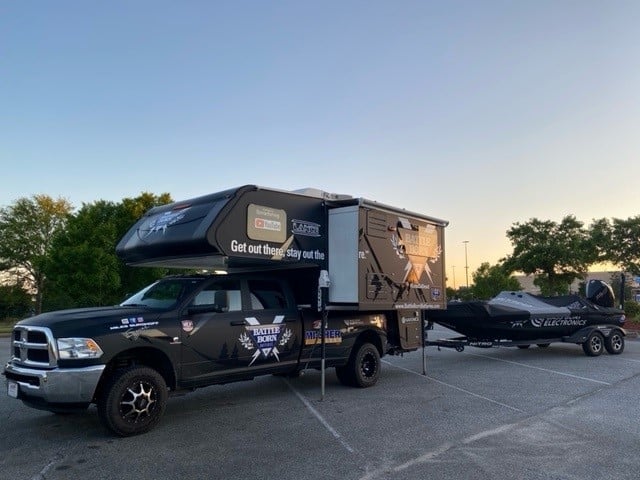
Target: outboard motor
[[600, 293]]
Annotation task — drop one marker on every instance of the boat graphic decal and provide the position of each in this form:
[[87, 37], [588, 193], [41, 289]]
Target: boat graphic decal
[[540, 322], [265, 338]]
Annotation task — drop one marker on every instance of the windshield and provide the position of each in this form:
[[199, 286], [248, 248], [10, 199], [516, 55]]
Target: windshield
[[164, 294]]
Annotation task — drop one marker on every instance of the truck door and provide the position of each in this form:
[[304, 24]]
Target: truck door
[[238, 329], [272, 336], [211, 325]]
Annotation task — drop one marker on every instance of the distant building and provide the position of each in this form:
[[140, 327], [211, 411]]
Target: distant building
[[16, 276]]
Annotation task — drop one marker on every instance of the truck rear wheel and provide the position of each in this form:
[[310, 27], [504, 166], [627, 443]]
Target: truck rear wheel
[[133, 401], [614, 343], [365, 366], [594, 344], [344, 376]]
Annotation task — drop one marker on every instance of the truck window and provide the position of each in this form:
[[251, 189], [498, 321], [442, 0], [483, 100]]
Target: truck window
[[225, 295], [266, 294], [163, 294]]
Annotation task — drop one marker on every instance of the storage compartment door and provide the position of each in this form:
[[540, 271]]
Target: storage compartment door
[[409, 328]]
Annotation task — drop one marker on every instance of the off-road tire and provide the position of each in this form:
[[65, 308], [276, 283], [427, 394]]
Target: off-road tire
[[594, 345], [364, 366], [614, 343], [133, 401], [345, 376]]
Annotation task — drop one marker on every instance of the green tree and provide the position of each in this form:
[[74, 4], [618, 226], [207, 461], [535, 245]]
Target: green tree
[[618, 241], [84, 269], [556, 253], [616, 284], [451, 293], [27, 230], [489, 280], [15, 301]]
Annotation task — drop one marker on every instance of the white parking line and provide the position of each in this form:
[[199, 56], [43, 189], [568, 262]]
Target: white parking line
[[539, 368], [320, 418], [456, 388], [42, 474], [425, 457], [432, 455]]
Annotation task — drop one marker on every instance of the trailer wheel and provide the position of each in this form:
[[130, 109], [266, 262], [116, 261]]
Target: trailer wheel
[[543, 345], [594, 344], [614, 343], [364, 366], [133, 401]]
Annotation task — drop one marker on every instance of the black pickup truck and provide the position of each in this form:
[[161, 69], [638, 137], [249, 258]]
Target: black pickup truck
[[181, 333], [271, 313]]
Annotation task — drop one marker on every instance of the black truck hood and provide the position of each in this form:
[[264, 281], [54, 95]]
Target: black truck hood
[[102, 318]]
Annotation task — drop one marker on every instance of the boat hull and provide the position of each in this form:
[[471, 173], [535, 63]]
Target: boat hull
[[517, 316]]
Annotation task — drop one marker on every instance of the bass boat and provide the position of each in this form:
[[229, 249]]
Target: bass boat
[[523, 318]]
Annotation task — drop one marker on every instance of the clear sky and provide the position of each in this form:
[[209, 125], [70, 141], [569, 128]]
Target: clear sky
[[483, 113]]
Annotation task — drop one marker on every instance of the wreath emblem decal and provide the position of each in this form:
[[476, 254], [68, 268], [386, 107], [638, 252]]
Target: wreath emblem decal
[[265, 338]]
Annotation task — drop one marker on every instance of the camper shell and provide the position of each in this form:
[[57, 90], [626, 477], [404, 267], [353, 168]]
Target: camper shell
[[378, 257]]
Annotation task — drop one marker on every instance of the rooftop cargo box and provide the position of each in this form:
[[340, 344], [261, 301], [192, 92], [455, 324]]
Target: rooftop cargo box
[[377, 256]]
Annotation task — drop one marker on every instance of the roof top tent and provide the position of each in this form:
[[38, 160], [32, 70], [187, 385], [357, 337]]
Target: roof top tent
[[378, 257]]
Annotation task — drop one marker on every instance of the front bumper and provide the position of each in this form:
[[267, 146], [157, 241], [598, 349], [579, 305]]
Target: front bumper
[[56, 386]]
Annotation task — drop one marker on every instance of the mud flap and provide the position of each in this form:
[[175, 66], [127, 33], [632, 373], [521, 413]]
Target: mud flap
[[581, 335]]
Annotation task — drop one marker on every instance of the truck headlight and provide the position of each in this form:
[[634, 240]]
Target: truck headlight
[[69, 348]]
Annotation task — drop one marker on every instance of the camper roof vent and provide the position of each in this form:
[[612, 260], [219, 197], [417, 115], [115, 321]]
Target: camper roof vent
[[315, 192]]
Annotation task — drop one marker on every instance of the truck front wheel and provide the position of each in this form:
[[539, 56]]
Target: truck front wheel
[[133, 401]]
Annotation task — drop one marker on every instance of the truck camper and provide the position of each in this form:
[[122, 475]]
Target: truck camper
[[282, 281], [377, 256]]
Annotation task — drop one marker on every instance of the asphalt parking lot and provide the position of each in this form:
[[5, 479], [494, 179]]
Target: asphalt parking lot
[[481, 414]]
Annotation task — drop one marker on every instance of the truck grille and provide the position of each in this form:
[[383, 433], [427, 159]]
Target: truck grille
[[33, 347]]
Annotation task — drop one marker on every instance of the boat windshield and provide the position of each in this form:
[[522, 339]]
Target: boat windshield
[[164, 294]]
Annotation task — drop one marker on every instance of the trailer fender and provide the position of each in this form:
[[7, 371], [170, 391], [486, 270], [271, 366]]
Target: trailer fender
[[583, 334]]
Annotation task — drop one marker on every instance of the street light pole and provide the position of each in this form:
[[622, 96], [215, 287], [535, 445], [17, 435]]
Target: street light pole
[[466, 264], [454, 276]]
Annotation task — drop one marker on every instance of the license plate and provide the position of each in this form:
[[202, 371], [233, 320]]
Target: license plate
[[12, 389]]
